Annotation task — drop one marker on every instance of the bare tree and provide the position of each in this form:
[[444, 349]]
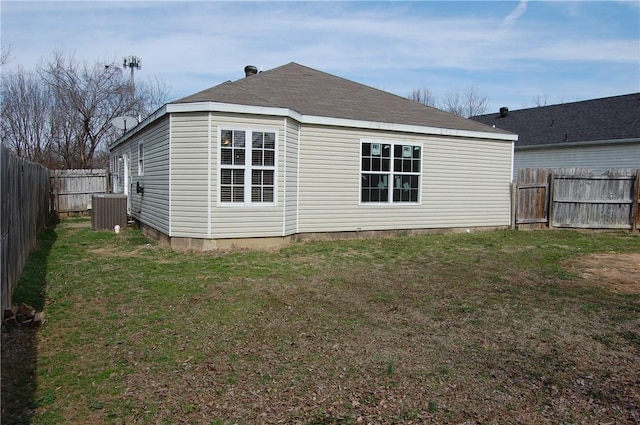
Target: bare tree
[[26, 117], [466, 103], [452, 103], [61, 115], [423, 96], [5, 54], [152, 94], [86, 98], [541, 100], [475, 103]]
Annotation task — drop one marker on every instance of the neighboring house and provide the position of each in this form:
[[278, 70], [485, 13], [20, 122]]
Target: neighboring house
[[295, 151], [598, 134]]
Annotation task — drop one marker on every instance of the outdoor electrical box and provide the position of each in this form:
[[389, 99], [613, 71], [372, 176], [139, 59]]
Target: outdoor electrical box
[[108, 210]]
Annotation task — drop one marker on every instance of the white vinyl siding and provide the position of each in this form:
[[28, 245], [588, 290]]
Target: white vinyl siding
[[189, 175], [465, 183], [598, 158], [244, 221], [152, 207], [290, 173]]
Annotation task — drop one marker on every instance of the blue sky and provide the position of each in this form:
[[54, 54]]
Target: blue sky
[[510, 51]]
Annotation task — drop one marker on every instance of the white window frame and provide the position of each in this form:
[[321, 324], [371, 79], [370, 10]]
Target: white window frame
[[248, 166], [141, 158], [391, 173]]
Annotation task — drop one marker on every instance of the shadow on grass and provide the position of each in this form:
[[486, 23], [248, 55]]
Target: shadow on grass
[[19, 345]]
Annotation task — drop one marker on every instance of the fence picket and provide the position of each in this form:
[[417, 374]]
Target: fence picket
[[24, 190], [576, 198], [29, 192], [73, 188]]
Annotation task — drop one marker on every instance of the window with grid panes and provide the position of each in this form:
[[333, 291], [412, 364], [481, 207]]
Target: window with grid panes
[[263, 161], [390, 173], [247, 166]]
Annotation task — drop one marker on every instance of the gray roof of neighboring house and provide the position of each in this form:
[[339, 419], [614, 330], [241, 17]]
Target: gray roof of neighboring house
[[315, 93], [609, 118]]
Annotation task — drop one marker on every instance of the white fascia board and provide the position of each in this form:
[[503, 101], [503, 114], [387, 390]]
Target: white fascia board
[[405, 128], [229, 107], [311, 119], [338, 122], [577, 144]]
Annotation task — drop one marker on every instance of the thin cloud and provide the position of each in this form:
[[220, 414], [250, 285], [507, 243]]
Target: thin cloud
[[396, 46], [510, 20]]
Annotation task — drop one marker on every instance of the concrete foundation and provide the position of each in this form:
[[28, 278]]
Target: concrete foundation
[[275, 243]]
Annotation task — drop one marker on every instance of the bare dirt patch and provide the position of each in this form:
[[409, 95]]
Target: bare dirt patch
[[618, 272]]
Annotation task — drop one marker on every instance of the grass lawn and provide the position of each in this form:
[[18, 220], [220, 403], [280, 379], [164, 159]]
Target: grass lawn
[[496, 327]]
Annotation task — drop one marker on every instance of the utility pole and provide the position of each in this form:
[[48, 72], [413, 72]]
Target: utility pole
[[133, 63]]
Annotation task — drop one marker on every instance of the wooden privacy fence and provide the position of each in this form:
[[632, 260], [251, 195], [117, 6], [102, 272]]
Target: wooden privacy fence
[[532, 198], [24, 190], [576, 198], [72, 189]]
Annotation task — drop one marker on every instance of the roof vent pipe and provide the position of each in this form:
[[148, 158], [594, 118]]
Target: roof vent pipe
[[504, 111], [250, 70]]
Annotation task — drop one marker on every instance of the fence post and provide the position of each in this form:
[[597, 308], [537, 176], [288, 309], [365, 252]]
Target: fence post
[[550, 198], [636, 204], [514, 204], [56, 190]]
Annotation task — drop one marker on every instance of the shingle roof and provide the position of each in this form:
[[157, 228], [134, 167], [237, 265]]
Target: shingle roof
[[608, 118], [315, 93]]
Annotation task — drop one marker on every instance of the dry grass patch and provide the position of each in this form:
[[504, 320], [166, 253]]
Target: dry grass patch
[[498, 327]]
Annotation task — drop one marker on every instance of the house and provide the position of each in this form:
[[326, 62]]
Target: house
[[294, 152], [598, 134]]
